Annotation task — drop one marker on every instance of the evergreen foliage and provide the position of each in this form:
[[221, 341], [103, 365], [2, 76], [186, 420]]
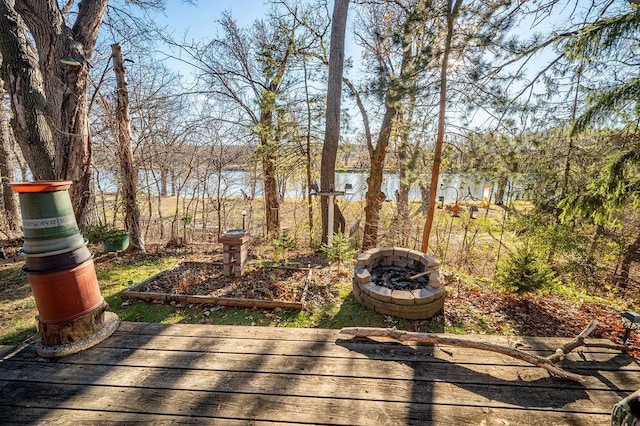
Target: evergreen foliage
[[612, 38], [524, 271], [340, 251]]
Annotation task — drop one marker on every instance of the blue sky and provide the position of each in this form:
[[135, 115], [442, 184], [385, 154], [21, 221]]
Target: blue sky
[[200, 19], [199, 22]]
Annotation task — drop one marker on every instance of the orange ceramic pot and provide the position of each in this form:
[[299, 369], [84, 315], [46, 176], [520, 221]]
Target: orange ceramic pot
[[41, 186], [67, 294]]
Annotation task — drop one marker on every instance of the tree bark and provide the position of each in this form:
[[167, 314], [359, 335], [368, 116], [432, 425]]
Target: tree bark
[[7, 171], [49, 97], [500, 191], [406, 162], [24, 84], [630, 256], [402, 196], [332, 120], [268, 155], [452, 13], [375, 197], [308, 152], [123, 138]]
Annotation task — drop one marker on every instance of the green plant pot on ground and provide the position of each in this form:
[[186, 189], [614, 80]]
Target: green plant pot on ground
[[111, 239], [116, 245]]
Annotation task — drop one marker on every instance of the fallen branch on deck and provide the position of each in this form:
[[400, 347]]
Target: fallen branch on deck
[[548, 363]]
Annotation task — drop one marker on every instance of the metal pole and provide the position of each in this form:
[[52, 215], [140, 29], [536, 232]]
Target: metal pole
[[446, 247], [330, 221]]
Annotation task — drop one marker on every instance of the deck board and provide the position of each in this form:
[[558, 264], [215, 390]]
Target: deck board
[[235, 375]]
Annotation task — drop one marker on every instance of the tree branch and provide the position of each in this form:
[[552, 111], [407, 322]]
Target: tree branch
[[543, 362]]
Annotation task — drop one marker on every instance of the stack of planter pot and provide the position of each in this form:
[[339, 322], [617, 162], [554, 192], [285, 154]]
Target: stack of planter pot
[[60, 270]]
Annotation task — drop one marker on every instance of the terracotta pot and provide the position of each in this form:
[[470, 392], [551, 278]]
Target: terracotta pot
[[41, 186], [53, 261], [67, 294]]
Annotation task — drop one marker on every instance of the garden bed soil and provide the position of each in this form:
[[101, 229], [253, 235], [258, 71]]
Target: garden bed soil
[[203, 282]]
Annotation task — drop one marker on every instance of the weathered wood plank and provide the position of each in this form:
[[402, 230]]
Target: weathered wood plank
[[234, 331], [230, 374], [282, 333], [267, 407], [505, 394], [6, 350], [330, 347], [296, 334], [49, 416], [329, 366], [356, 348], [440, 416]]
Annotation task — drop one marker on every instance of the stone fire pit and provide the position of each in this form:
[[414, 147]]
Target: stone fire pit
[[381, 282]]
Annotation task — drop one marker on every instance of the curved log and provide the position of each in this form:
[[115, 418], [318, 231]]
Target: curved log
[[402, 336]]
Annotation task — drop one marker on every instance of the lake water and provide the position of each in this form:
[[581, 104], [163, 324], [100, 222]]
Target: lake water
[[237, 183]]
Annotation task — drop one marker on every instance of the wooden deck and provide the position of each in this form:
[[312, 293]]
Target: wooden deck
[[238, 375]]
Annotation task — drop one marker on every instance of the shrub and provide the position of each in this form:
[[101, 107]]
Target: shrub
[[103, 233], [282, 244], [524, 271], [340, 251]]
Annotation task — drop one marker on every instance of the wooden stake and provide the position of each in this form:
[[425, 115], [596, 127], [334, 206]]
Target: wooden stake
[[420, 275]]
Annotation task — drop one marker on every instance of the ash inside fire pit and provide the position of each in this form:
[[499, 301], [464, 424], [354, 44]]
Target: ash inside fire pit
[[396, 278]]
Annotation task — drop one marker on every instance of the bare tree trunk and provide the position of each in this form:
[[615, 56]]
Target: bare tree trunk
[[7, 172], [49, 96], [28, 100], [452, 13], [406, 162], [500, 192], [402, 197], [164, 178], [631, 255], [308, 153], [123, 140], [375, 197], [334, 92], [268, 156]]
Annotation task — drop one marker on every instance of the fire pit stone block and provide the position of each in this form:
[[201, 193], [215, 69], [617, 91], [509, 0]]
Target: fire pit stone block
[[363, 261], [384, 252], [421, 303], [436, 281], [415, 255], [366, 288], [363, 276], [426, 295], [403, 297], [432, 262], [380, 293]]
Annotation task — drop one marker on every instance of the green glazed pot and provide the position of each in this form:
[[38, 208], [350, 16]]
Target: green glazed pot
[[46, 210], [116, 245]]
